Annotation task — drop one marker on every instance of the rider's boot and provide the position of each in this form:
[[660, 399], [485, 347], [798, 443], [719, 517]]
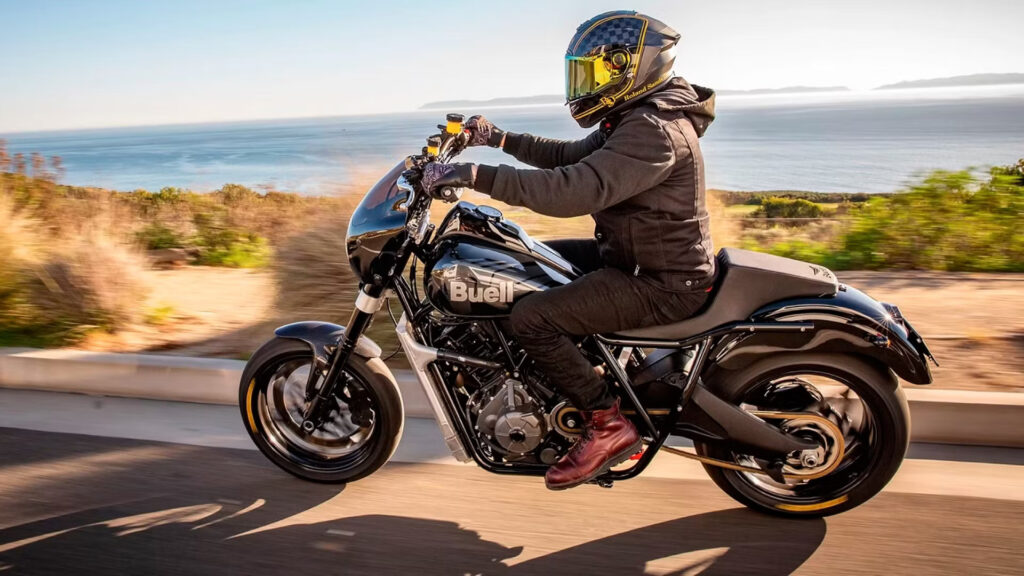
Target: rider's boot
[[608, 439]]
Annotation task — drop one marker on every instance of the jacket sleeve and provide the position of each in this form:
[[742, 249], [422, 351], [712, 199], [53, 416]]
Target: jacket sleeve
[[548, 153], [636, 157]]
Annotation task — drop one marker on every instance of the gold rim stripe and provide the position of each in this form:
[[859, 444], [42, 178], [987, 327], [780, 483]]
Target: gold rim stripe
[[248, 405]]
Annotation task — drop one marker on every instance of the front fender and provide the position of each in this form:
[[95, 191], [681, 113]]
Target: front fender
[[322, 336], [850, 322]]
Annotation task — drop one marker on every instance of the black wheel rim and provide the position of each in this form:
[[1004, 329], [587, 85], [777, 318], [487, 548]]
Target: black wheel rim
[[339, 444], [854, 413]]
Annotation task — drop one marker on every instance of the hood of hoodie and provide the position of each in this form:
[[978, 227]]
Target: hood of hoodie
[[678, 95]]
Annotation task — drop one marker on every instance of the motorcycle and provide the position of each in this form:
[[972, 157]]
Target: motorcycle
[[786, 382]]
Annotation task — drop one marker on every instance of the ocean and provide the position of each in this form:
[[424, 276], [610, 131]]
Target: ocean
[[875, 141]]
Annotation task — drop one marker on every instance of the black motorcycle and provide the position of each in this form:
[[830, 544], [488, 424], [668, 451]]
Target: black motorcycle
[[786, 382]]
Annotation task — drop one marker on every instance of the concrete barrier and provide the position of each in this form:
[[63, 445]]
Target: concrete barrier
[[939, 416], [963, 417], [152, 376]]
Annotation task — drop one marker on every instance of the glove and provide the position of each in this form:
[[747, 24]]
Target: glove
[[437, 176], [483, 133]]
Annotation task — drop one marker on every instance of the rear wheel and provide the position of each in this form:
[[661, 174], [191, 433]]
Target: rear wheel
[[357, 438], [863, 401]]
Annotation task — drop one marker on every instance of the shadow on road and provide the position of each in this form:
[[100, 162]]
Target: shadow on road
[[87, 505], [145, 538]]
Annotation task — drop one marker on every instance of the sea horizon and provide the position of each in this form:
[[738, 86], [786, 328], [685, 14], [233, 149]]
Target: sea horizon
[[844, 141]]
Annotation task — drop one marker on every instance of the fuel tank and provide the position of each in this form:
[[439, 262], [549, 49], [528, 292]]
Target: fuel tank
[[482, 264]]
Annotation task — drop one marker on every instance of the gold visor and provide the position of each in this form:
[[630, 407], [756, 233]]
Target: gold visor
[[586, 75]]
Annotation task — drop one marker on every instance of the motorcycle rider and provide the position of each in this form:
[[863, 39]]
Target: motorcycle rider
[[640, 175]]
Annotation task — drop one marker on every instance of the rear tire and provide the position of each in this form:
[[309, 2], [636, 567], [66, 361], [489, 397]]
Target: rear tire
[[853, 483], [316, 457]]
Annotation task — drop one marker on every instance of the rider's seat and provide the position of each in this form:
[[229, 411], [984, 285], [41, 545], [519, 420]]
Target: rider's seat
[[746, 282]]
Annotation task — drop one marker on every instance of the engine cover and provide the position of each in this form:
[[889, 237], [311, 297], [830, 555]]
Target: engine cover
[[519, 432], [509, 418]]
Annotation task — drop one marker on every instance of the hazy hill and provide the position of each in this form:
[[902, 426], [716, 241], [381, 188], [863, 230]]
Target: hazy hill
[[785, 90], [494, 102], [968, 80], [559, 99]]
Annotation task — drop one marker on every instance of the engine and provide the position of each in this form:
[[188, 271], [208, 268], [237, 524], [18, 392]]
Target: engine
[[515, 417]]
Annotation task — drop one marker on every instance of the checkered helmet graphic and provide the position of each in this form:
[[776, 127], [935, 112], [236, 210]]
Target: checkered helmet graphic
[[613, 59]]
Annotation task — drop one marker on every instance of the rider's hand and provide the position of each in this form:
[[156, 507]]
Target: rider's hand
[[437, 176], [483, 133]]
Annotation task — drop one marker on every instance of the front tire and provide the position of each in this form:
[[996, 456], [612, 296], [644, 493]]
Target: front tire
[[877, 441], [344, 449]]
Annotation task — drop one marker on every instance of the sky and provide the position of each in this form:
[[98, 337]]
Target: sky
[[78, 64]]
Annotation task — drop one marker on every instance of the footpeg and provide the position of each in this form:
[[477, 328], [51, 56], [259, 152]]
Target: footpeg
[[603, 483]]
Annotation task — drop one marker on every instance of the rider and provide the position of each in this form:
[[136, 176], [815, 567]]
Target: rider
[[640, 175]]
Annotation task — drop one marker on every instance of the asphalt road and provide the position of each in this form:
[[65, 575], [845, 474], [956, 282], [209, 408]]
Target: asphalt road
[[78, 504]]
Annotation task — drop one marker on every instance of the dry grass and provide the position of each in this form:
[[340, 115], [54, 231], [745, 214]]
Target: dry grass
[[91, 282], [61, 278]]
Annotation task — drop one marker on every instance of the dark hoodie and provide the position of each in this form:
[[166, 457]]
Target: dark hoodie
[[641, 177]]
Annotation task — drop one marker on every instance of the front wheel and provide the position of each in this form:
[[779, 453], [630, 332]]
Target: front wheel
[[358, 437], [864, 402]]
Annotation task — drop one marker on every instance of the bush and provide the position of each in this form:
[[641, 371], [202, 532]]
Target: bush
[[18, 242], [159, 237], [232, 248], [55, 292], [773, 207], [91, 283], [950, 221]]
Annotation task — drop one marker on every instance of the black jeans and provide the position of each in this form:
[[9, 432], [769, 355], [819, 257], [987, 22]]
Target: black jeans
[[604, 300]]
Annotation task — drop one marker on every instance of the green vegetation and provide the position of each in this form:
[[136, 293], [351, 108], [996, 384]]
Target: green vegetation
[[953, 221], [233, 248], [159, 315], [787, 208], [732, 198]]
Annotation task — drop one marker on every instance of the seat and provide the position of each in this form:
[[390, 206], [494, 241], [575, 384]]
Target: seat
[[746, 282]]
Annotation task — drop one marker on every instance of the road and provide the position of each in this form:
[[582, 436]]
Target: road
[[74, 499]]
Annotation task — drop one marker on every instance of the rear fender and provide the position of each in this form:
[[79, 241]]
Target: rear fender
[[323, 337], [850, 322]]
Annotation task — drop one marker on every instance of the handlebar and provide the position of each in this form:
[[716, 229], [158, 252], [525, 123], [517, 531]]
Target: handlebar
[[444, 147]]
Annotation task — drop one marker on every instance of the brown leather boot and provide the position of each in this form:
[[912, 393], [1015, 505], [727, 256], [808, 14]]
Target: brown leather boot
[[608, 439]]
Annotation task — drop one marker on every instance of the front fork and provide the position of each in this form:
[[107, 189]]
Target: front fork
[[320, 401]]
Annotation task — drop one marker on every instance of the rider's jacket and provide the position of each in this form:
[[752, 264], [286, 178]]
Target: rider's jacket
[[641, 177]]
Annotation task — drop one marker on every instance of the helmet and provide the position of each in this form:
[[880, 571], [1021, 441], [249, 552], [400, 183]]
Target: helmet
[[612, 59]]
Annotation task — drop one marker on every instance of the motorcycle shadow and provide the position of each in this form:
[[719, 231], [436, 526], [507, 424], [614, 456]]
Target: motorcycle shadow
[[213, 539]]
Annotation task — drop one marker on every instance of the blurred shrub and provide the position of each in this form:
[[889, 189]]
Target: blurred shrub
[[955, 221], [949, 221], [232, 248], [54, 292], [773, 207], [156, 236], [733, 198], [17, 245], [90, 283]]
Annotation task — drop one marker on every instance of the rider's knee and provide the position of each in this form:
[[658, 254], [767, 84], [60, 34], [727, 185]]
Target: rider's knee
[[527, 316]]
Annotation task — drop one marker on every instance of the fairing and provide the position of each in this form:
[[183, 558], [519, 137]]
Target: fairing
[[377, 227]]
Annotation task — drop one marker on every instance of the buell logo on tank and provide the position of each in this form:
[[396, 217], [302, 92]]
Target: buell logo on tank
[[489, 290], [500, 291]]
